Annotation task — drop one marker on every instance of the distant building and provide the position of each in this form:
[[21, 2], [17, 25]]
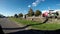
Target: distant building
[[51, 13]]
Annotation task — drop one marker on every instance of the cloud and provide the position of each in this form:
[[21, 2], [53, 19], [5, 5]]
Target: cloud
[[37, 2], [45, 11], [29, 5], [34, 4]]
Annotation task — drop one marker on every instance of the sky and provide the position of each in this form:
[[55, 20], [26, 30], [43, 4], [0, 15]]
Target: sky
[[11, 7]]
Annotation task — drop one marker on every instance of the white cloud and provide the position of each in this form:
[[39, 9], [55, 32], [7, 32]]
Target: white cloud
[[29, 5], [37, 2], [45, 11], [34, 4]]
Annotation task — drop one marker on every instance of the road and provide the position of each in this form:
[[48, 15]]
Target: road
[[9, 26]]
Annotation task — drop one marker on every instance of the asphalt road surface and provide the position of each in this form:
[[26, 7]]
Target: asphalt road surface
[[9, 26]]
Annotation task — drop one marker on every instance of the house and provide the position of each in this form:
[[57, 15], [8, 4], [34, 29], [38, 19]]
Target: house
[[51, 13]]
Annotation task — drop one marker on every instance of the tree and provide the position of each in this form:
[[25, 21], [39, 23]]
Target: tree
[[1, 16], [38, 12], [30, 13], [57, 13], [16, 15], [20, 15]]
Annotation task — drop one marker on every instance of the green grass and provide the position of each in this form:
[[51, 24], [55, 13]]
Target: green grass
[[25, 22], [45, 26]]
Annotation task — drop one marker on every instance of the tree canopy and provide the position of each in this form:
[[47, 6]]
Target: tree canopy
[[38, 12], [20, 15], [16, 15], [30, 12]]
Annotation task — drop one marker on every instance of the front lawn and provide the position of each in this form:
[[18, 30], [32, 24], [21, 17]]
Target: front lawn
[[45, 26]]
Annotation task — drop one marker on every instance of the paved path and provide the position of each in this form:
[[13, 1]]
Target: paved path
[[9, 26]]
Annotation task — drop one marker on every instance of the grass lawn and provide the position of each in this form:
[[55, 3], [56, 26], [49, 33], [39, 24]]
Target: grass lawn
[[45, 26]]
